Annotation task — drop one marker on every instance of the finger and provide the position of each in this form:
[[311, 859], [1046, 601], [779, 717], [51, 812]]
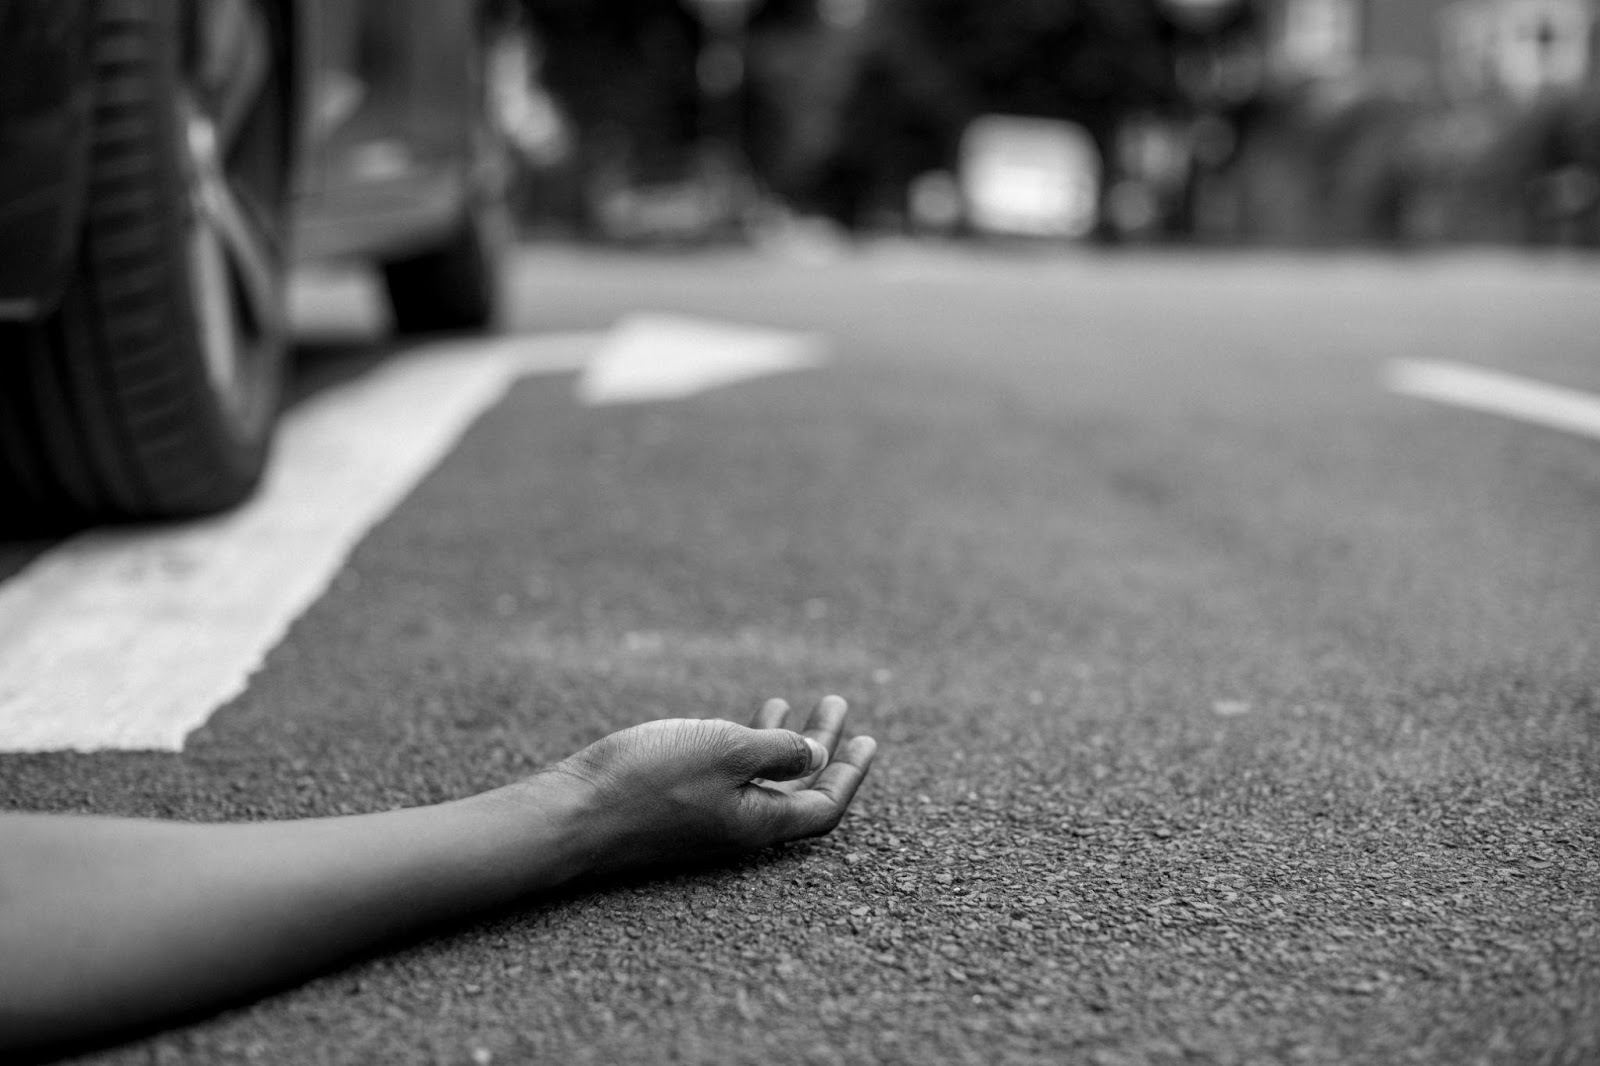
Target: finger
[[818, 809], [771, 715], [779, 755], [845, 773], [827, 722]]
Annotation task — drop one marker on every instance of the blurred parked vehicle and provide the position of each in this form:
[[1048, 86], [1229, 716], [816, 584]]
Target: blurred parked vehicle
[[158, 161], [1030, 177]]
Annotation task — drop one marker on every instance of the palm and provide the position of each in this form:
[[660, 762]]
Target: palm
[[813, 803]]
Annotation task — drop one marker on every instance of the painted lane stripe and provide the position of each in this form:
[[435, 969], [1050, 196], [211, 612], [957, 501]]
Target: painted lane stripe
[[130, 640], [1530, 401], [654, 357]]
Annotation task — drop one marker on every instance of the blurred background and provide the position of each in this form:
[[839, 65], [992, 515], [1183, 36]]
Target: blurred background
[[1238, 687], [1280, 122], [794, 126]]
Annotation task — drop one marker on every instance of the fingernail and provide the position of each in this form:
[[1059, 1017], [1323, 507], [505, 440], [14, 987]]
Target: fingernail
[[819, 756]]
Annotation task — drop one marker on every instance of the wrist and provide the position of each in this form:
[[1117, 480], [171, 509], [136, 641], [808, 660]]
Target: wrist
[[560, 830]]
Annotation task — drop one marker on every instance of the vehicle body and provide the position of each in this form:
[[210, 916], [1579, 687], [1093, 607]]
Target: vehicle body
[[161, 162], [1030, 177], [395, 106]]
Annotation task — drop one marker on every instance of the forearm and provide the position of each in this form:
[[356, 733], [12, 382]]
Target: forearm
[[111, 922]]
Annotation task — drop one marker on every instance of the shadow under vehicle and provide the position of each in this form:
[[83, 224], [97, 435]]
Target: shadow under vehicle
[[159, 159]]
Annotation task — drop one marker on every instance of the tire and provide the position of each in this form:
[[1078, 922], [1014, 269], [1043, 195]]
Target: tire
[[457, 285], [151, 392]]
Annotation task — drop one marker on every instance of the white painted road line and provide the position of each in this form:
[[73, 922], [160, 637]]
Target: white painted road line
[[652, 357], [130, 640], [121, 640], [1503, 394]]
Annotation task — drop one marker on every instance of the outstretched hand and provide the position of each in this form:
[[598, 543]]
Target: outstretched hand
[[678, 790], [111, 923]]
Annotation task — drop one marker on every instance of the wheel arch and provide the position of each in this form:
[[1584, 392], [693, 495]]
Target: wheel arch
[[299, 70]]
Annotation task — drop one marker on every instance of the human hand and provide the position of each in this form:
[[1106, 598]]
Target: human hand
[[678, 790]]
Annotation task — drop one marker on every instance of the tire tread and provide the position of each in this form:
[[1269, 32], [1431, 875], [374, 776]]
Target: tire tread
[[105, 410]]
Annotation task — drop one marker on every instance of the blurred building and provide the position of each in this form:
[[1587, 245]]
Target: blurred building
[[1393, 39], [1524, 49], [1408, 120], [1315, 38], [1519, 48]]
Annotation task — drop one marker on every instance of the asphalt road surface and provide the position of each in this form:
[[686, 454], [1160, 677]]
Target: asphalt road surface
[[1232, 707]]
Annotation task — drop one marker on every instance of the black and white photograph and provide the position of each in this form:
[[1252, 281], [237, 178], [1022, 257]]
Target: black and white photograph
[[800, 532]]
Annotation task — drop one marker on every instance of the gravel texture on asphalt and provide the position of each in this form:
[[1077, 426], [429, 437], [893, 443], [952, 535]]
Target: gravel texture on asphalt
[[1229, 710]]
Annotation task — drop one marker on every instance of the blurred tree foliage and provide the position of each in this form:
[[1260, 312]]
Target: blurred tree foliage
[[624, 72], [842, 118], [1084, 60], [933, 65]]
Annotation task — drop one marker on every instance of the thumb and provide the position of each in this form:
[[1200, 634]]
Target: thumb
[[782, 755]]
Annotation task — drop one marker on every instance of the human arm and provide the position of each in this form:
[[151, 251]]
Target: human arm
[[111, 923]]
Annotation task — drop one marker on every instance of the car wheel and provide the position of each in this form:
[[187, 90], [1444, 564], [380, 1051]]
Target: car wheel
[[457, 285], [152, 391]]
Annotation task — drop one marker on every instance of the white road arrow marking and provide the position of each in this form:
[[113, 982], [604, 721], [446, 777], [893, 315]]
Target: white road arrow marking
[[1502, 394], [650, 357], [130, 640]]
